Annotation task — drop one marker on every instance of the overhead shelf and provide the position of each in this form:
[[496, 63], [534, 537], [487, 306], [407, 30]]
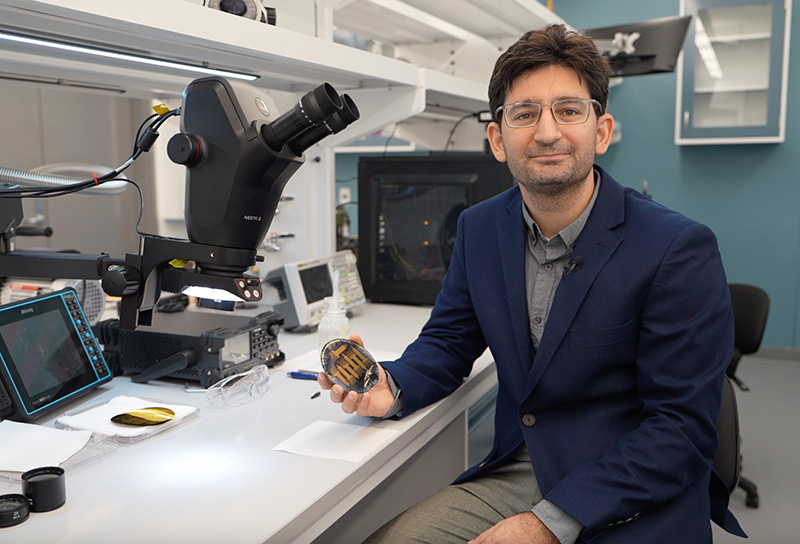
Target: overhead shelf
[[446, 91], [183, 32], [386, 89], [413, 22]]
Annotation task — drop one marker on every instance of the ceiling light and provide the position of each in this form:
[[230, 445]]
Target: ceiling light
[[64, 46]]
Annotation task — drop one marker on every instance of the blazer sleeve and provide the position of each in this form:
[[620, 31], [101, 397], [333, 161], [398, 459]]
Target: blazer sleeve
[[683, 350]]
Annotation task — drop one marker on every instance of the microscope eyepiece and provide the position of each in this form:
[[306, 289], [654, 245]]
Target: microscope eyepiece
[[334, 124], [311, 110]]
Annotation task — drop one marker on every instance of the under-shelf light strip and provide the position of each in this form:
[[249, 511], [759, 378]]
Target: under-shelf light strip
[[124, 56]]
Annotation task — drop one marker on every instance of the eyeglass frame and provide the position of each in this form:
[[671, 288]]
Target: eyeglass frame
[[239, 388], [597, 108]]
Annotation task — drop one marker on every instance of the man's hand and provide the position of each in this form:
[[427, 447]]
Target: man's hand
[[523, 528], [375, 403]]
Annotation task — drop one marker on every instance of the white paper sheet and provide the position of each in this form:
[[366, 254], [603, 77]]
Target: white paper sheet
[[98, 419], [26, 446], [336, 441]]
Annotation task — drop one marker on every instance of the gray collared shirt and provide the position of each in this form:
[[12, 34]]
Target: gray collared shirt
[[546, 262]]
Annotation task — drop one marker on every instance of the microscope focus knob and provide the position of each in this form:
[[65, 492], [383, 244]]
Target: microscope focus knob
[[184, 149], [120, 281]]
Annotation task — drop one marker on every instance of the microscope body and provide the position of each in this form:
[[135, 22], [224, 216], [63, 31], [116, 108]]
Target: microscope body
[[234, 178]]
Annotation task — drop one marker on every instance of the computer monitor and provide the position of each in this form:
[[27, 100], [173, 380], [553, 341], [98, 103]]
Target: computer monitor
[[407, 218], [647, 47]]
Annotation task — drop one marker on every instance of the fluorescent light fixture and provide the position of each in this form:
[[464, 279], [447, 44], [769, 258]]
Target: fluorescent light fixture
[[60, 83], [401, 8], [706, 50], [211, 293], [63, 46]]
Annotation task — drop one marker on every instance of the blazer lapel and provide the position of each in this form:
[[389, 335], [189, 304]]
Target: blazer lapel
[[596, 244], [511, 240]]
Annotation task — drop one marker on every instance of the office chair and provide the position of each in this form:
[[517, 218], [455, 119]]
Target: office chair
[[750, 309], [728, 460]]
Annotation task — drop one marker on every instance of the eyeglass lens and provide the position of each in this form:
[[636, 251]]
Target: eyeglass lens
[[565, 112], [239, 388]]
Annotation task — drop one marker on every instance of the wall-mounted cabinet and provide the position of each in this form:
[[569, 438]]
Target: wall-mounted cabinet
[[733, 75]]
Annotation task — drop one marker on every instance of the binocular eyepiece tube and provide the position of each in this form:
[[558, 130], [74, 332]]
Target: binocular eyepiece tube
[[311, 110], [334, 124]]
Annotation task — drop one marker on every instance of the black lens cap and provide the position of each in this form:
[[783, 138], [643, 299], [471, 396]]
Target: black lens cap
[[14, 509]]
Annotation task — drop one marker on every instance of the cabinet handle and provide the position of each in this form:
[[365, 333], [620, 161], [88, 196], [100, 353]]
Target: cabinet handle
[[686, 120]]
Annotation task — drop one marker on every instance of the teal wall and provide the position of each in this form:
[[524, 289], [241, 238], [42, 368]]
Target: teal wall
[[747, 194]]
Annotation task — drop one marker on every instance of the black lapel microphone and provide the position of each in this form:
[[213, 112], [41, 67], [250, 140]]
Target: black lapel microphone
[[573, 266]]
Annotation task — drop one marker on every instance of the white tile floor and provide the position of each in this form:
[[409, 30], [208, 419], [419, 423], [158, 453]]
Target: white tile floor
[[769, 420]]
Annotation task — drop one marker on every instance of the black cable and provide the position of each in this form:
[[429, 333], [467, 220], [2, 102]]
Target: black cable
[[139, 132], [389, 139], [455, 126], [141, 145]]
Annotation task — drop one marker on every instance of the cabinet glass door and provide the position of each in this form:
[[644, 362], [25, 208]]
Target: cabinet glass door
[[732, 71]]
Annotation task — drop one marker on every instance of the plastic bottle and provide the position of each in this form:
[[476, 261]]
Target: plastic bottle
[[334, 323]]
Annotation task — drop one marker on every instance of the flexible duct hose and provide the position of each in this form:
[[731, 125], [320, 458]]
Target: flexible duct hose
[[62, 175]]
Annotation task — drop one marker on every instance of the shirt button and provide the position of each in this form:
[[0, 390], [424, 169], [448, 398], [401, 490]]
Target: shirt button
[[548, 267], [528, 420], [537, 319]]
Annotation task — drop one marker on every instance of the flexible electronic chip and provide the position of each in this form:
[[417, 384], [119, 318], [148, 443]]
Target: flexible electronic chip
[[349, 365], [154, 415]]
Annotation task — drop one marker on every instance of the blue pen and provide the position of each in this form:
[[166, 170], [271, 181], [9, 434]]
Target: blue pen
[[302, 375]]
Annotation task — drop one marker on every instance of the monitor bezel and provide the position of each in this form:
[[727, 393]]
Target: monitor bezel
[[32, 404]]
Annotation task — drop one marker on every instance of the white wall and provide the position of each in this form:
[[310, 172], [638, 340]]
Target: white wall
[[46, 125]]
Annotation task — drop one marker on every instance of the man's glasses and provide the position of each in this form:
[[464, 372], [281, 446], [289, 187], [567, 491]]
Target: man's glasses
[[565, 112]]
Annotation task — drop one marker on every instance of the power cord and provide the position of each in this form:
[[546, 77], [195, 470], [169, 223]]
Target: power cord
[[455, 126], [143, 142]]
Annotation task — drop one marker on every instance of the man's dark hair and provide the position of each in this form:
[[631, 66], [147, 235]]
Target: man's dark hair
[[552, 45]]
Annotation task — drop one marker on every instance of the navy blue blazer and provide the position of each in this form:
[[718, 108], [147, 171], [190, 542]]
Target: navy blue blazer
[[618, 408]]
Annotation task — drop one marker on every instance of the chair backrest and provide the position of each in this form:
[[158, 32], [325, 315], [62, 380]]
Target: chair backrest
[[728, 462], [750, 309]]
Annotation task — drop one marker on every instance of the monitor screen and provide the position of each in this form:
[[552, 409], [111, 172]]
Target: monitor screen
[[47, 352], [646, 47], [317, 282], [408, 209], [44, 355], [417, 224]]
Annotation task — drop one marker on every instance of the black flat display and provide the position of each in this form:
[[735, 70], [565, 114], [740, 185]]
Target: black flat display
[[48, 355]]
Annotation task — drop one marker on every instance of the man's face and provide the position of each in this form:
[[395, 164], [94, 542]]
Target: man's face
[[548, 158]]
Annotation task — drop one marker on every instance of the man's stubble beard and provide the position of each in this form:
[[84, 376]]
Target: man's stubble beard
[[561, 185]]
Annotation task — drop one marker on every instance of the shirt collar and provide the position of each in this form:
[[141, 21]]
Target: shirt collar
[[570, 233]]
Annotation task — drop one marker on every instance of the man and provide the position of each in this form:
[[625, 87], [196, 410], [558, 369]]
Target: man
[[609, 320]]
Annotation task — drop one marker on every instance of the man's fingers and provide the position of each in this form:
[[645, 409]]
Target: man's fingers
[[350, 402], [362, 408], [337, 393], [357, 339], [324, 381]]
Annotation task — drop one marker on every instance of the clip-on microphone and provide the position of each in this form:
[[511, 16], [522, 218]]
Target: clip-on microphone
[[571, 267]]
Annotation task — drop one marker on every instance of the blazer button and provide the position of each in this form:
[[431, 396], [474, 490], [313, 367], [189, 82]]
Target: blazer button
[[528, 420]]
